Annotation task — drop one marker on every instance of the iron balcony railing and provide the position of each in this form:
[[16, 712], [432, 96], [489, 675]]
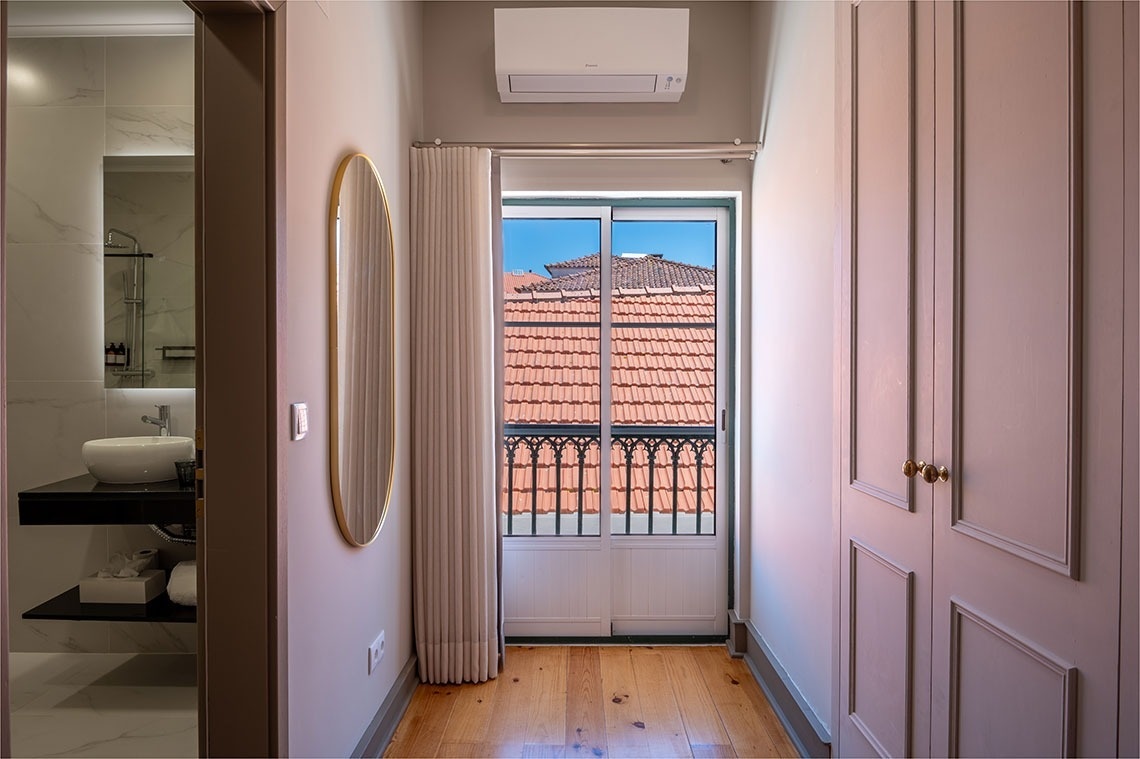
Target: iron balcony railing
[[683, 449]]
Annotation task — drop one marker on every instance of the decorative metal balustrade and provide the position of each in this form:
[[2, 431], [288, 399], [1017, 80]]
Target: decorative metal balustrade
[[679, 456]]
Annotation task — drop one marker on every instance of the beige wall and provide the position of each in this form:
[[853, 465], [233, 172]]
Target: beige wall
[[352, 83], [793, 213], [461, 102]]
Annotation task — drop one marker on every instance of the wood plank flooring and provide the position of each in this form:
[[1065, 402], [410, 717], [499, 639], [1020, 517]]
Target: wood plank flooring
[[598, 701]]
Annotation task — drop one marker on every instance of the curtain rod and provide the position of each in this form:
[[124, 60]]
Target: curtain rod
[[726, 151]]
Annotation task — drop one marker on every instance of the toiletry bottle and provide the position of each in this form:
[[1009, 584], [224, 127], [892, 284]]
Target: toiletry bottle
[[109, 355]]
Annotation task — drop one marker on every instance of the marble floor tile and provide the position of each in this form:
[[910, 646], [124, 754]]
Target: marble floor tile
[[104, 705]]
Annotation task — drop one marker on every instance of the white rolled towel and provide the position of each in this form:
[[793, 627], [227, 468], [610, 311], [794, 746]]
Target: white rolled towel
[[183, 585]]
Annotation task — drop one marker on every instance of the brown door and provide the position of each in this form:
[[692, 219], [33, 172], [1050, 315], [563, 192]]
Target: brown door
[[886, 398], [1028, 316]]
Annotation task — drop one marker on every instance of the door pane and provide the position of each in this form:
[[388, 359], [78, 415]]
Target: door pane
[[664, 377], [552, 323]]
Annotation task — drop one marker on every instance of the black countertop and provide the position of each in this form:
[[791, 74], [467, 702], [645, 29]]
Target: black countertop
[[85, 500]]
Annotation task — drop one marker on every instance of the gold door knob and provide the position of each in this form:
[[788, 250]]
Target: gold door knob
[[933, 474], [929, 473], [910, 469]]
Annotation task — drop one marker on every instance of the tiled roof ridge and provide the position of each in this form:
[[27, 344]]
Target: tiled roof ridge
[[563, 295], [640, 272], [592, 259]]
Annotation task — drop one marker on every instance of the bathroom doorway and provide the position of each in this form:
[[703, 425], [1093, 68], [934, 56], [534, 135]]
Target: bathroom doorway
[[100, 325]]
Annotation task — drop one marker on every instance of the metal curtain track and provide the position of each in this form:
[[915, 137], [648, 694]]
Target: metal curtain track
[[725, 151]]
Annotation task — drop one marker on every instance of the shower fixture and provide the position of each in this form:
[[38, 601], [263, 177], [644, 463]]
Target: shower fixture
[[112, 232], [134, 296]]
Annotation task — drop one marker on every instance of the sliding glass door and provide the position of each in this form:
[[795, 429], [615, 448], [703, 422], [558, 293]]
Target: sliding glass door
[[613, 505]]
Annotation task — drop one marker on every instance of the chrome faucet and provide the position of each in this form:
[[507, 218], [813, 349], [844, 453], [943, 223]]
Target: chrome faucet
[[163, 420]]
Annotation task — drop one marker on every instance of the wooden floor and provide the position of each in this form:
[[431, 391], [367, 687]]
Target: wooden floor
[[596, 701]]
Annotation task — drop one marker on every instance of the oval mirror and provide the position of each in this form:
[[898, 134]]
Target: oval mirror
[[361, 366]]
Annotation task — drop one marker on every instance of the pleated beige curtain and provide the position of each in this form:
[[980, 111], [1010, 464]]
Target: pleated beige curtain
[[454, 439]]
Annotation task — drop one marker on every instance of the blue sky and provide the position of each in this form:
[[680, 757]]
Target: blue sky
[[530, 244]]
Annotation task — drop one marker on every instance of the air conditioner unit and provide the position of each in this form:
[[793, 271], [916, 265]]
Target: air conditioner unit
[[591, 55]]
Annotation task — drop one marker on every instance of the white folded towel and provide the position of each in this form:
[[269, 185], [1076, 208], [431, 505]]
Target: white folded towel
[[183, 585]]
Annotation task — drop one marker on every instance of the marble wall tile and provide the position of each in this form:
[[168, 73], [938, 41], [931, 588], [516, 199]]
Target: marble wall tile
[[55, 175], [132, 537], [59, 636], [150, 130], [53, 291], [151, 638], [155, 206], [150, 71], [56, 71], [48, 423], [126, 406]]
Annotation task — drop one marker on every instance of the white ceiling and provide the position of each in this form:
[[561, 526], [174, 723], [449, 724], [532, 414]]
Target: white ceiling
[[98, 18]]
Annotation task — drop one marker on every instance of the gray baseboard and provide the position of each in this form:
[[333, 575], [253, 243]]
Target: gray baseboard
[[379, 732], [808, 735], [737, 642]]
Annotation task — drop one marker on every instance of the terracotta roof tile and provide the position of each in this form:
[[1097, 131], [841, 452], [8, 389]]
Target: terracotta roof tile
[[512, 281], [592, 261], [628, 273], [662, 375]]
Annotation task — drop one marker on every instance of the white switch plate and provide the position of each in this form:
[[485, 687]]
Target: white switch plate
[[376, 653], [299, 420]]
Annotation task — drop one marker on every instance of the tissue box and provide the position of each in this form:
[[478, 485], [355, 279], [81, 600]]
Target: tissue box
[[122, 590]]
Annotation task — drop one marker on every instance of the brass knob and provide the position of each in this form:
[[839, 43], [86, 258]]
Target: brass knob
[[910, 469], [933, 474]]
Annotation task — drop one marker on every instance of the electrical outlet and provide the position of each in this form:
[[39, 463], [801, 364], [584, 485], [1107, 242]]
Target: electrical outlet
[[376, 653]]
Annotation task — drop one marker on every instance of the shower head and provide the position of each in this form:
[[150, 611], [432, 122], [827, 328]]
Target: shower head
[[113, 231]]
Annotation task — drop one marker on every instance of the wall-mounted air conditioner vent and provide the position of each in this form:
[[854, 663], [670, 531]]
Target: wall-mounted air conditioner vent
[[584, 55]]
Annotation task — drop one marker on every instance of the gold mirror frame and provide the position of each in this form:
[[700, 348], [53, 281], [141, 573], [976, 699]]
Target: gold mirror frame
[[360, 523]]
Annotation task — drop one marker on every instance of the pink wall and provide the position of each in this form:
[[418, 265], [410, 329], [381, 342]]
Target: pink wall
[[352, 83], [793, 200]]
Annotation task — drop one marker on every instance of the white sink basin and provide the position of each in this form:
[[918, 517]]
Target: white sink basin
[[129, 460]]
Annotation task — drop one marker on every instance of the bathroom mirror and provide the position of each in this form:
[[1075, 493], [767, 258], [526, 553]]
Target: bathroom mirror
[[148, 271], [361, 365]]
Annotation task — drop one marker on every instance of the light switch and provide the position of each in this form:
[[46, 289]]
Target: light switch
[[299, 415]]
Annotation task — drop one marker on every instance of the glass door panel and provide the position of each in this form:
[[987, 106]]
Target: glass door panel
[[664, 382], [552, 396]]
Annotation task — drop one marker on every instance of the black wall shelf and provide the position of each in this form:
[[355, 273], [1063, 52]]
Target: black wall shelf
[[67, 606], [85, 500]]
